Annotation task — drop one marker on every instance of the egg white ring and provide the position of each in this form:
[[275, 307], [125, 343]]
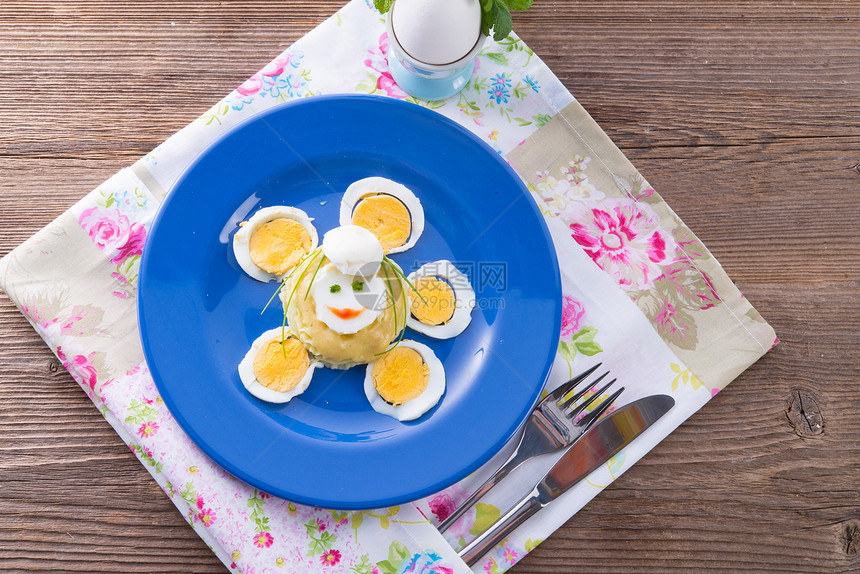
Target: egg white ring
[[429, 398], [242, 238], [262, 392], [377, 185], [464, 300]]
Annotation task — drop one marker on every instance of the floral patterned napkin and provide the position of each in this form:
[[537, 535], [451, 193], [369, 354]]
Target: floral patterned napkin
[[641, 294]]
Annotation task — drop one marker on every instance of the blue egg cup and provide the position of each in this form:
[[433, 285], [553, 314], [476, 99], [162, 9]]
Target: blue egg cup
[[429, 85]]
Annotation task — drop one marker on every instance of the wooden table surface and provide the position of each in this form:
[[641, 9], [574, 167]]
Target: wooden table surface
[[745, 116]]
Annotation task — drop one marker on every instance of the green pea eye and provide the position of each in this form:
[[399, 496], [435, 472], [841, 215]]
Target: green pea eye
[[357, 285], [334, 288]]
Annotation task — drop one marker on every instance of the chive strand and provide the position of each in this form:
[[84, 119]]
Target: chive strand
[[314, 276]]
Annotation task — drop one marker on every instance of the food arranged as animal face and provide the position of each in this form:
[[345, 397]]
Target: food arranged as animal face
[[346, 303], [347, 309]]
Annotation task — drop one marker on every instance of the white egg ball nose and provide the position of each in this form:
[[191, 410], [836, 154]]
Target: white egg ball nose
[[353, 250]]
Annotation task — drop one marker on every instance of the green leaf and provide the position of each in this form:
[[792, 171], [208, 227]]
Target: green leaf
[[339, 515], [502, 23], [518, 4], [397, 553], [327, 539], [384, 522], [532, 544], [498, 58], [383, 6], [485, 516], [566, 351], [588, 348], [386, 567], [585, 334], [357, 519], [314, 547]]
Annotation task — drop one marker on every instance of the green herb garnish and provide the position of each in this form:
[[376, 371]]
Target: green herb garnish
[[400, 274], [357, 286], [334, 288]]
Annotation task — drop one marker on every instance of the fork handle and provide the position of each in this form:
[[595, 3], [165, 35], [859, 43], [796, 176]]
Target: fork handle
[[498, 531], [513, 462]]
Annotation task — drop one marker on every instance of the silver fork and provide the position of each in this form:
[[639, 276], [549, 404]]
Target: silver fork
[[552, 425]]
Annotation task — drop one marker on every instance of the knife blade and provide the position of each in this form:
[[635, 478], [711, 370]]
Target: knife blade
[[595, 447]]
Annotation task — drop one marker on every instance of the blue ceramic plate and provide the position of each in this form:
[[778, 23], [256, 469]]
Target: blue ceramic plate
[[199, 312]]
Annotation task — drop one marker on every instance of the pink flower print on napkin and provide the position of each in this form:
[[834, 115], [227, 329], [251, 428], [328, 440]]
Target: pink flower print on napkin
[[207, 517], [273, 69], [572, 313], [251, 86], [147, 429], [263, 540], [623, 238], [377, 60], [330, 558], [113, 233], [80, 367], [509, 554], [442, 505]]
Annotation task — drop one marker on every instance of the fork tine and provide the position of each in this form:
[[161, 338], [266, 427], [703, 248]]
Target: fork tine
[[592, 417], [557, 394], [587, 403], [569, 402]]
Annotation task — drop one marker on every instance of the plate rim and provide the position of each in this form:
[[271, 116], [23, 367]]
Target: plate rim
[[322, 501]]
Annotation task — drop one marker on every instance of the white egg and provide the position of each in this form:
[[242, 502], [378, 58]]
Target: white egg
[[416, 407], [242, 238], [371, 186], [348, 303], [353, 250], [437, 32], [464, 300], [262, 392]]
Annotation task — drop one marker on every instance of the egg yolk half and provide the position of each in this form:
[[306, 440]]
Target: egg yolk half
[[438, 304], [276, 246], [400, 375], [386, 217], [279, 372]]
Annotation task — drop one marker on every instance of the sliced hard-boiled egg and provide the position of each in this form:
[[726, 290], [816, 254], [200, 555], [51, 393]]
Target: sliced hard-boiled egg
[[273, 241], [353, 250], [405, 382], [347, 303], [274, 370], [442, 306], [388, 209]]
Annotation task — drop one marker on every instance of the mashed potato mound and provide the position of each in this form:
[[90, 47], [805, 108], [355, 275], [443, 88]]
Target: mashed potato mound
[[334, 349]]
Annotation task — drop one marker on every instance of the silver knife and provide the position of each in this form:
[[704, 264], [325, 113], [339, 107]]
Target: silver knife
[[598, 445]]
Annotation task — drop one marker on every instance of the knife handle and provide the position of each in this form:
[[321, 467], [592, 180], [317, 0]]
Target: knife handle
[[498, 531]]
